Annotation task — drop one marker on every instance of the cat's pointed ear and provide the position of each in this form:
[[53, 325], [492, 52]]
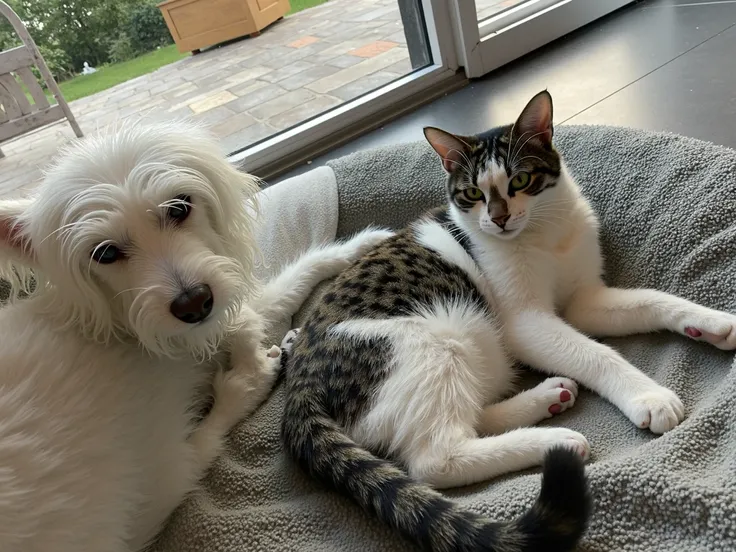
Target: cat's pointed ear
[[535, 121], [453, 150], [13, 240]]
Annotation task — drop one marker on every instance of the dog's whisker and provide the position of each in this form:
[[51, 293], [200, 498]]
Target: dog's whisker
[[131, 289]]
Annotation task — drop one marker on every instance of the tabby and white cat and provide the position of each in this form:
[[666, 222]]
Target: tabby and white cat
[[408, 354]]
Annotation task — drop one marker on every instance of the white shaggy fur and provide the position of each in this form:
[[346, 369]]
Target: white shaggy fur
[[100, 384]]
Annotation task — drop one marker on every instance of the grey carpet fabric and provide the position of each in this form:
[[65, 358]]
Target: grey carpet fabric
[[295, 214], [4, 290], [667, 206], [387, 186]]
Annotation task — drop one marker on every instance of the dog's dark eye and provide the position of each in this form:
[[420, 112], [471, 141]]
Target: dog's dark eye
[[180, 210], [107, 254]]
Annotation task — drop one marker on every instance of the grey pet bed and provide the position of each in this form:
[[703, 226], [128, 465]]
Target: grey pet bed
[[667, 209], [667, 206]]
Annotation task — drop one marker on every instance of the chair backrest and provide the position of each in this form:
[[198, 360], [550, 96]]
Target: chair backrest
[[18, 114]]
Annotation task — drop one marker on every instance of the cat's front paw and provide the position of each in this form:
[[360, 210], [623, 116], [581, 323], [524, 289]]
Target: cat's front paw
[[714, 327], [283, 352], [288, 342], [659, 409], [555, 395]]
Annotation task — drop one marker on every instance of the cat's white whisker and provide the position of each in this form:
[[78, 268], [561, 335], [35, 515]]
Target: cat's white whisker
[[525, 143], [464, 166], [516, 148], [518, 162]]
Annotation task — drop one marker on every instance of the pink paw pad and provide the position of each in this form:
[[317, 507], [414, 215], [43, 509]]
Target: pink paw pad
[[693, 332], [555, 409], [565, 396]]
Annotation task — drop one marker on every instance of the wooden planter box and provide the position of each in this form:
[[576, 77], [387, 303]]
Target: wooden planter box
[[196, 24]]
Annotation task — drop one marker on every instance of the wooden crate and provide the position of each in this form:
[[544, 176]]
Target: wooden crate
[[196, 24]]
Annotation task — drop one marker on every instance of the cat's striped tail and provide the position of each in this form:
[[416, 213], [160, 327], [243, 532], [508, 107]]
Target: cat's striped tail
[[554, 523]]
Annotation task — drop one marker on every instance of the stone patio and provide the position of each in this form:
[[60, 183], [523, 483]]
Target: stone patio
[[249, 89]]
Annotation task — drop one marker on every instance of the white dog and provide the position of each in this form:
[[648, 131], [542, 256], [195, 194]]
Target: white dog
[[141, 246]]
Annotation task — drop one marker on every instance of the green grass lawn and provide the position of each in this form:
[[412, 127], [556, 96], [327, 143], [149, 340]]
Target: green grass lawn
[[116, 73], [110, 75], [299, 5]]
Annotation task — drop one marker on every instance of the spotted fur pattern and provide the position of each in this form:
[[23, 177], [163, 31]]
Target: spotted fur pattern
[[331, 383], [387, 282]]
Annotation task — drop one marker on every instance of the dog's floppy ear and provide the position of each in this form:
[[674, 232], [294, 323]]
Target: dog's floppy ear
[[15, 245]]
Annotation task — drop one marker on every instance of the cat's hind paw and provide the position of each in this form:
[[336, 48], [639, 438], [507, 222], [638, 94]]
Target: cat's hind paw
[[660, 410], [572, 440]]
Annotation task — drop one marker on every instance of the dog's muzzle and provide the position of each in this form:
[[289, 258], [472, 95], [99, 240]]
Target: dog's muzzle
[[193, 305]]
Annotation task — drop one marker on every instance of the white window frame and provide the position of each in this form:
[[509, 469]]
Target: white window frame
[[489, 44], [282, 146]]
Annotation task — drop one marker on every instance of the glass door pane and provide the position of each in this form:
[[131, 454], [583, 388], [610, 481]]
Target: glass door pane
[[494, 8], [314, 60], [330, 66], [495, 32]]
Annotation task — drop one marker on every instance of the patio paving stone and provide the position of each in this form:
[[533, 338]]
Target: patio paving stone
[[287, 71], [233, 124], [214, 116], [343, 61], [248, 135], [282, 103], [210, 102], [248, 87], [373, 49], [303, 111], [256, 97], [360, 70], [304, 41], [361, 86], [305, 77]]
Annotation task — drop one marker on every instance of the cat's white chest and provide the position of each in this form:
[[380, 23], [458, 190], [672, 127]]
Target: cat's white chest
[[542, 272], [521, 277]]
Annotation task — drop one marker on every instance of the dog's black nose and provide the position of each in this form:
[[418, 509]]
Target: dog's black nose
[[194, 304]]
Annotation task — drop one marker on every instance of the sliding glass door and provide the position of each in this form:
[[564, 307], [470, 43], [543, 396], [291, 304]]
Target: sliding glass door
[[330, 71], [495, 32]]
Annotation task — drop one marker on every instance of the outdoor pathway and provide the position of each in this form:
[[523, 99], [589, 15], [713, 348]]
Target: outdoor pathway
[[249, 89]]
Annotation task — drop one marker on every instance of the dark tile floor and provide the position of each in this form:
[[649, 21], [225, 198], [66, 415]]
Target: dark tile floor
[[665, 65]]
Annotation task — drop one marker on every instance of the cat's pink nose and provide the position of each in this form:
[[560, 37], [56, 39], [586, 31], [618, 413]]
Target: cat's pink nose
[[501, 221]]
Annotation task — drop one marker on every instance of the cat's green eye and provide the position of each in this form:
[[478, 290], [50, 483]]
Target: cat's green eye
[[473, 194], [520, 181]]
